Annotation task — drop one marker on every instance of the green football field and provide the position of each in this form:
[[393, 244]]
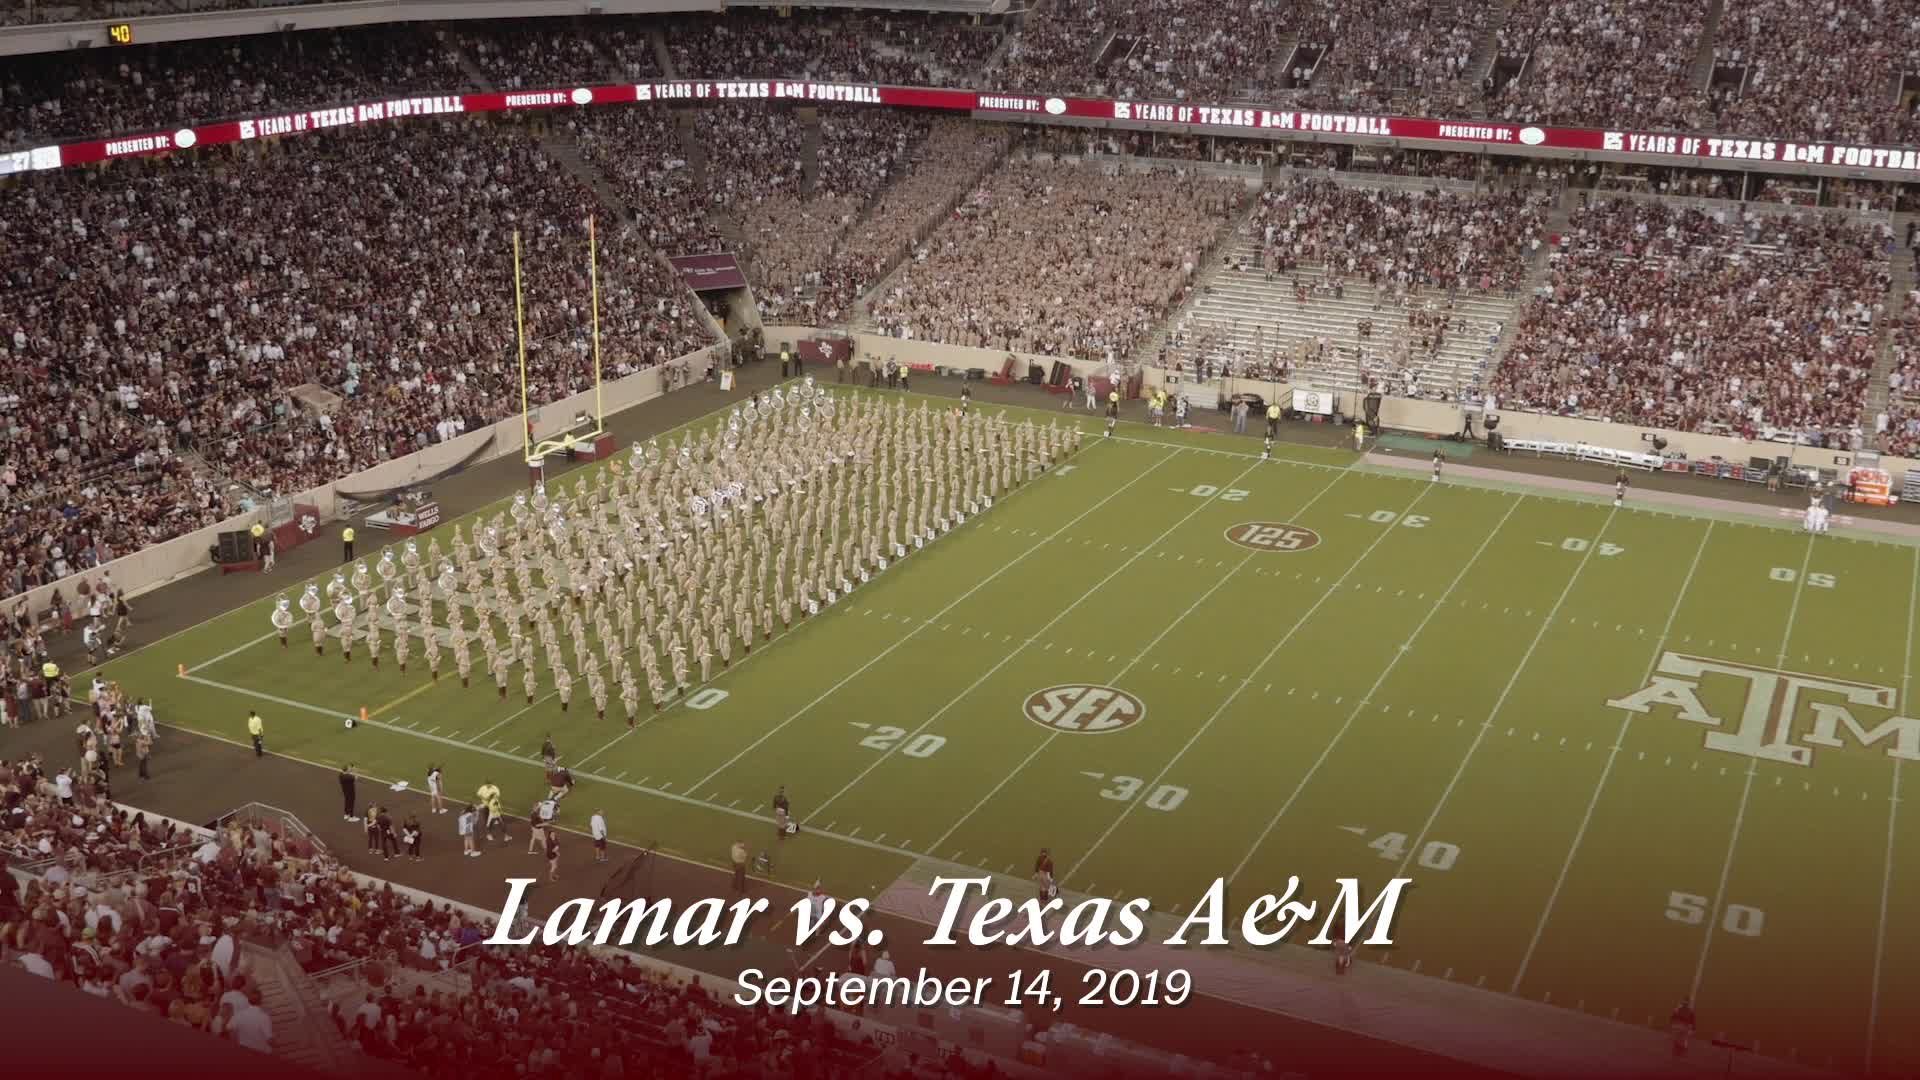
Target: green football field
[[1626, 756]]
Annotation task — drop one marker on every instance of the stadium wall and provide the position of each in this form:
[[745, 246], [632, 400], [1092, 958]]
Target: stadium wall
[[1401, 414], [152, 567]]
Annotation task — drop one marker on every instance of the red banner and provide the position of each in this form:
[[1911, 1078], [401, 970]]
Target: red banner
[[1893, 163], [302, 527]]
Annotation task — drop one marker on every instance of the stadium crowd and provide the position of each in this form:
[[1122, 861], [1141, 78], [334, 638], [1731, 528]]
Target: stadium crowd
[[158, 918], [1409, 55], [1828, 70], [337, 280], [1737, 321], [1621, 62], [896, 48], [139, 412], [1060, 259], [1405, 241], [1899, 428]]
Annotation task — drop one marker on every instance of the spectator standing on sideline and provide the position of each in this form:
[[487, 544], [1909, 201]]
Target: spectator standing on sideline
[[553, 853], [1043, 876], [469, 819], [389, 840], [257, 731], [346, 544], [1682, 1025], [739, 854], [347, 801], [782, 812], [435, 785], [410, 836], [597, 825], [142, 749], [541, 820]]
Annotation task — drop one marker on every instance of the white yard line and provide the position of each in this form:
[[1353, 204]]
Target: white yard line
[[1746, 791], [1360, 706], [515, 715], [1205, 726], [461, 744], [1142, 654], [1606, 770], [1893, 815], [791, 887], [962, 598], [1358, 458], [1420, 838], [1022, 646], [235, 651]]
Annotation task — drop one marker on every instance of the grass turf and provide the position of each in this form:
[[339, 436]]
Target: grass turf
[[1423, 691]]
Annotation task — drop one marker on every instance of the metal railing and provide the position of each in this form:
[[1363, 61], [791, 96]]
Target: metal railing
[[282, 823]]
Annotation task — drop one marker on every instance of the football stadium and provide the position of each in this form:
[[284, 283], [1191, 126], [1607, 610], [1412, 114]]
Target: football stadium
[[1215, 540]]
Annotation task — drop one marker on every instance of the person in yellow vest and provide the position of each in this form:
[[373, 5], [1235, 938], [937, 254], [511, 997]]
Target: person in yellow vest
[[346, 540], [1158, 406], [259, 534], [257, 731], [1113, 410], [1360, 436], [1273, 429], [786, 360]]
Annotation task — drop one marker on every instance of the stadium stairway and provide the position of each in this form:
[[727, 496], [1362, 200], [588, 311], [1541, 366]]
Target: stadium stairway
[[565, 151], [1702, 74], [467, 67], [1487, 47], [998, 55], [661, 53], [1243, 307], [810, 136], [857, 317], [1903, 283], [1147, 353], [1235, 305], [302, 1031]]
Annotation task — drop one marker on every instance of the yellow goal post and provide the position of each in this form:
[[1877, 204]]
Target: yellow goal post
[[571, 433]]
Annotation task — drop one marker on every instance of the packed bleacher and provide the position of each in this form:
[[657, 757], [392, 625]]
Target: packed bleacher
[[1164, 49], [896, 48], [58, 11], [640, 153], [536, 54], [795, 238], [1900, 433], [158, 87], [334, 279], [1410, 56], [1617, 62], [1737, 321], [1829, 70], [1405, 240], [133, 428], [1060, 259], [160, 919]]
